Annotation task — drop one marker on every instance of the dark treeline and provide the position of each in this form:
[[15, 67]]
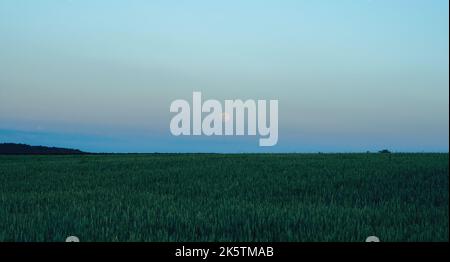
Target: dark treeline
[[22, 149]]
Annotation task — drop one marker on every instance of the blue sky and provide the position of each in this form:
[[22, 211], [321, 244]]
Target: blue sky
[[349, 75]]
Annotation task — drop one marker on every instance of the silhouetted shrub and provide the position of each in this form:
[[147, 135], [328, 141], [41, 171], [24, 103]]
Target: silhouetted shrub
[[384, 151]]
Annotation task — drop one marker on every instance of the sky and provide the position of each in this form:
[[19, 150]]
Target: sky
[[350, 75]]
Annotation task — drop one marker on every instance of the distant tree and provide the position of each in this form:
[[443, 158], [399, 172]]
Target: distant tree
[[384, 151], [23, 149]]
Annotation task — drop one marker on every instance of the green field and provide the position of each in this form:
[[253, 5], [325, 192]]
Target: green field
[[213, 197]]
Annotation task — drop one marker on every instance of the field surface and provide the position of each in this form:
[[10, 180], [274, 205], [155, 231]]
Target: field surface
[[213, 197]]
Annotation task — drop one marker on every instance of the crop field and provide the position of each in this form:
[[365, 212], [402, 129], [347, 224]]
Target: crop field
[[225, 197]]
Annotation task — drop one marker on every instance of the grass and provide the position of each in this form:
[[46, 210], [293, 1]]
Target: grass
[[209, 197]]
